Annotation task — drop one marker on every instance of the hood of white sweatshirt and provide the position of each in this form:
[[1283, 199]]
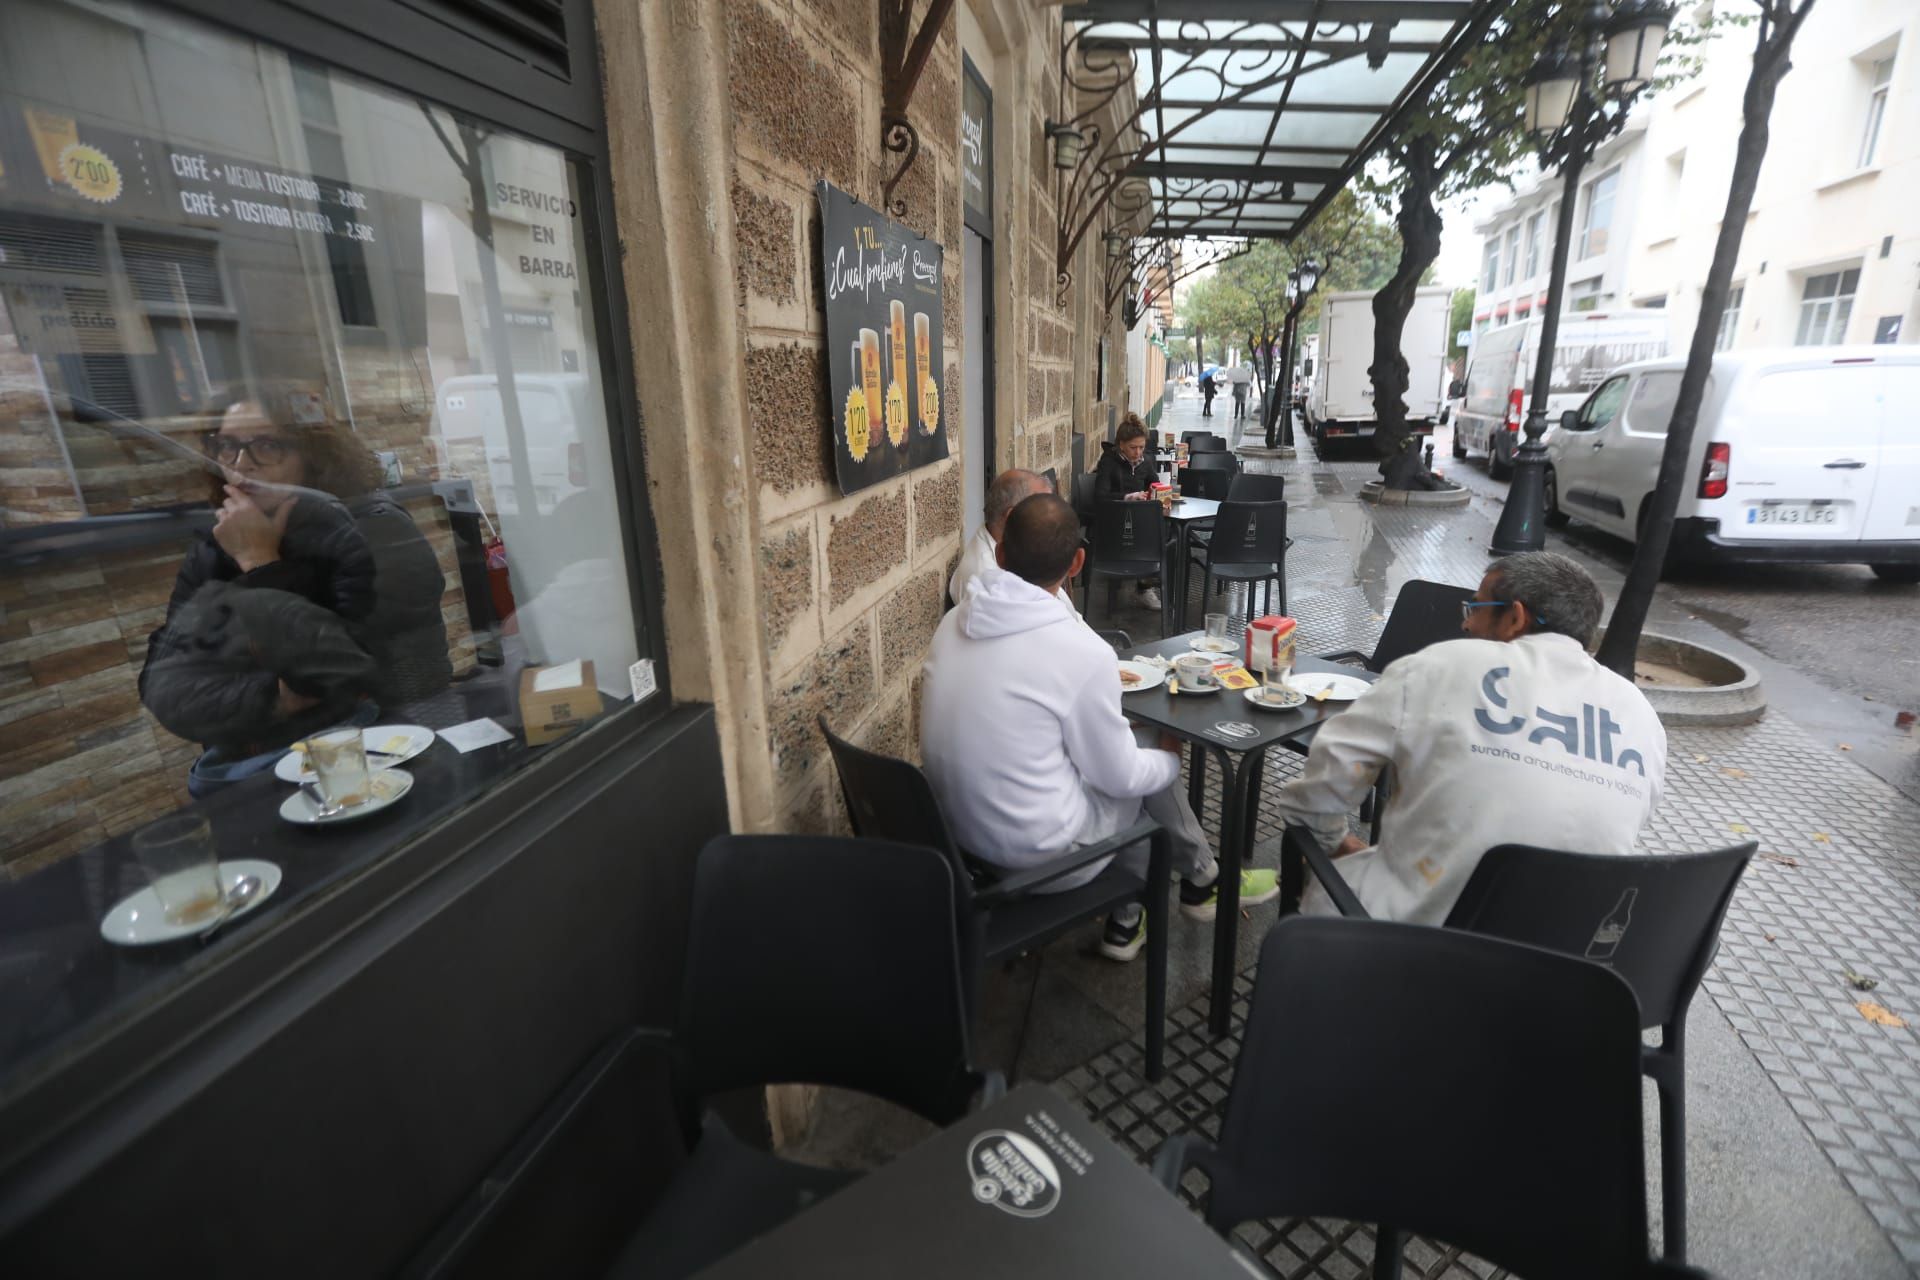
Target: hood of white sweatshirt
[[1000, 604]]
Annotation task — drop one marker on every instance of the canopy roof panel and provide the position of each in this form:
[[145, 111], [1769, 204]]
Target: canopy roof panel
[[1253, 114]]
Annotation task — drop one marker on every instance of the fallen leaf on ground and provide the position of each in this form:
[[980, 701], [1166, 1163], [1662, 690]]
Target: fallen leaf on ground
[[1846, 746], [1821, 837], [1767, 936], [1732, 772], [1879, 1014], [1740, 828], [1860, 980], [1780, 858], [1700, 759]]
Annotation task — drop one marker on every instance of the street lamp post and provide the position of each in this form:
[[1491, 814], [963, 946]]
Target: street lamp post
[[1564, 116]]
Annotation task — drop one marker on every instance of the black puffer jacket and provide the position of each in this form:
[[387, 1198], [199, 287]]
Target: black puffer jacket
[[1115, 477], [350, 610]]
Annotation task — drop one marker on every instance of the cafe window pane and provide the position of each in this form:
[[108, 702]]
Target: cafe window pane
[[223, 263]]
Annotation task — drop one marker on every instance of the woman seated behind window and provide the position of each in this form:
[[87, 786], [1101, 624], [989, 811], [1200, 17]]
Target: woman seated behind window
[[312, 601]]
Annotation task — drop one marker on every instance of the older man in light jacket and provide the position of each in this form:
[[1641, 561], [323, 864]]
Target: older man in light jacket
[[979, 556], [1514, 735]]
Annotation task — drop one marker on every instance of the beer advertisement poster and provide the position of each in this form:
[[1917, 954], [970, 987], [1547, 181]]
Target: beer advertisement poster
[[884, 347]]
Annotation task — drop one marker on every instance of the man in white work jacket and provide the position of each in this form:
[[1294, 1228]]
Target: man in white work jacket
[[1512, 735]]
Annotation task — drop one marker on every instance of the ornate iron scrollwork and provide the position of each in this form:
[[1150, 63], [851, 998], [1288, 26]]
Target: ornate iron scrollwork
[[903, 56]]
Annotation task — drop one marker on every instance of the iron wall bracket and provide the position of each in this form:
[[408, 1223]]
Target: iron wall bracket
[[903, 56]]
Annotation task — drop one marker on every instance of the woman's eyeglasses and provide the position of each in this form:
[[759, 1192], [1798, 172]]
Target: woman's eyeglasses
[[226, 450]]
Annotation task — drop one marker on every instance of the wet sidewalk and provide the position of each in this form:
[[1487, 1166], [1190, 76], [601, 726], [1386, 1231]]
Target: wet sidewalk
[[1804, 1088]]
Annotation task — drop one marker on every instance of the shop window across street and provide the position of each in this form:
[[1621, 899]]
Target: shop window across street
[[316, 520]]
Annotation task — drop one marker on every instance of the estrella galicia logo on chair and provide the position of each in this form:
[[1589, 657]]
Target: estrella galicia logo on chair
[[1012, 1173]]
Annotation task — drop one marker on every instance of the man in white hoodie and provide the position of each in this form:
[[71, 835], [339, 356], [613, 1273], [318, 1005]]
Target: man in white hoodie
[[1024, 742], [1512, 736], [980, 555]]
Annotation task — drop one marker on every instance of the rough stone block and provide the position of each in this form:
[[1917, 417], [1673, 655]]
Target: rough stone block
[[786, 580], [848, 21], [763, 245], [952, 213], [894, 732], [908, 617], [936, 505], [787, 410], [837, 682], [1036, 393], [866, 544], [799, 110]]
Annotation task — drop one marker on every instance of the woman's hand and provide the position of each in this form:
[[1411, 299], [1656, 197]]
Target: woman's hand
[[248, 534]]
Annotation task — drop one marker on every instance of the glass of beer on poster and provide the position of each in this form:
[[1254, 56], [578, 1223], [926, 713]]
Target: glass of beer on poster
[[870, 374], [923, 368]]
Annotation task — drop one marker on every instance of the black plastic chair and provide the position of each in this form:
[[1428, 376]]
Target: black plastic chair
[[1423, 613], [1199, 442], [1212, 462], [1249, 544], [1128, 541], [1052, 477], [1081, 496], [1249, 486], [1468, 1089], [999, 914], [1653, 920], [1213, 483], [812, 960]]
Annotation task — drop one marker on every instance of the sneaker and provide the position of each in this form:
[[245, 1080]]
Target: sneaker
[[1122, 942], [1257, 885], [1150, 597]]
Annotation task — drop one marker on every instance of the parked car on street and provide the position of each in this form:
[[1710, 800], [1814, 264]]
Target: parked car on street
[[1801, 455], [1590, 345]]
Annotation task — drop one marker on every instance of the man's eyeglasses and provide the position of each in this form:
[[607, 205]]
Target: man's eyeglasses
[[226, 450], [1468, 606]]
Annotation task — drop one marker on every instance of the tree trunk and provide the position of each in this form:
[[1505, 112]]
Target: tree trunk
[[1656, 526], [1419, 225]]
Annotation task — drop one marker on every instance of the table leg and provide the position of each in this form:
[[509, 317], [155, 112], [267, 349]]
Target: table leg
[[1196, 778], [1226, 919]]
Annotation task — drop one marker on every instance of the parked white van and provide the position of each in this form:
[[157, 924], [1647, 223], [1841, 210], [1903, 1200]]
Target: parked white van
[[1801, 455], [1590, 345]]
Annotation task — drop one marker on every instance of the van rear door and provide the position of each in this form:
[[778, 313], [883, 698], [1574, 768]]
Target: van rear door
[[1894, 515], [1804, 445]]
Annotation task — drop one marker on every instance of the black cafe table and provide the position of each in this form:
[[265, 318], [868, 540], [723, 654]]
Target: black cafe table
[[1183, 516], [1238, 736], [1025, 1187]]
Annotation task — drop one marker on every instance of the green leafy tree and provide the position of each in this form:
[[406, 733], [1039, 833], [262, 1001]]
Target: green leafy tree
[[1459, 321]]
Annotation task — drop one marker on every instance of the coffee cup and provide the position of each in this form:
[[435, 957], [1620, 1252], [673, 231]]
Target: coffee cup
[[1195, 673]]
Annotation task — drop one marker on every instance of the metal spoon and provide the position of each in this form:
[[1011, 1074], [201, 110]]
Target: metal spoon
[[236, 900]]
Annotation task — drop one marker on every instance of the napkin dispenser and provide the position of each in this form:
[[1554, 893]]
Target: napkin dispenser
[[1269, 639]]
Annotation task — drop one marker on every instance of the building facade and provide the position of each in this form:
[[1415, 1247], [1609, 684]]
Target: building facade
[[1831, 250]]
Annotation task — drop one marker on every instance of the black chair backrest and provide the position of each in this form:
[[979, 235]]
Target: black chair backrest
[[1127, 533], [1082, 496], [1250, 487], [1206, 482], [1212, 462], [1652, 920], [825, 960], [1052, 475], [1423, 613], [1206, 442], [1249, 533], [1464, 1088], [1078, 451], [889, 799]]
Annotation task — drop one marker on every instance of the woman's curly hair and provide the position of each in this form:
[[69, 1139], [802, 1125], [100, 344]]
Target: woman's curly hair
[[336, 462]]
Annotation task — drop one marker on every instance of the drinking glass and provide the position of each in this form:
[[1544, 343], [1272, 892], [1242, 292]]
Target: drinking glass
[[177, 855], [1274, 680], [339, 761], [1217, 632]]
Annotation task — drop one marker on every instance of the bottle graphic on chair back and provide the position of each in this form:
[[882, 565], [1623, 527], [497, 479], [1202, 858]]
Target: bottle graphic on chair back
[[1606, 939]]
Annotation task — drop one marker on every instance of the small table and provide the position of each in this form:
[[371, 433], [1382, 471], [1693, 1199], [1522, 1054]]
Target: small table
[[1224, 724], [1184, 515], [1025, 1187]]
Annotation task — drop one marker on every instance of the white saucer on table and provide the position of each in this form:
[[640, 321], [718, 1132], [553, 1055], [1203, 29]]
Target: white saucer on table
[[388, 786], [1151, 676], [1293, 698], [1204, 644], [1338, 688], [394, 743], [139, 921]]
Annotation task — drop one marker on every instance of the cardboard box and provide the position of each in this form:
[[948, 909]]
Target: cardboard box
[[1269, 638], [554, 701]]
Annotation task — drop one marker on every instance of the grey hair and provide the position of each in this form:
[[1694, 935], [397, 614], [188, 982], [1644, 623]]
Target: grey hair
[[1562, 596], [1006, 491]]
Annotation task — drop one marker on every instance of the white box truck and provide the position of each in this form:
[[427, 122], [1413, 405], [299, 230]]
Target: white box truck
[[1340, 395], [1590, 345]]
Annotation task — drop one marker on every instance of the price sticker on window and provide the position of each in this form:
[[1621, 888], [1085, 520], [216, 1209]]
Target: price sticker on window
[[91, 172], [640, 675]]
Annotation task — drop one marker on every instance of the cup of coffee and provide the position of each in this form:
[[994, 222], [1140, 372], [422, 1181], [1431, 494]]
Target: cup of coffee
[[178, 856], [1195, 673]]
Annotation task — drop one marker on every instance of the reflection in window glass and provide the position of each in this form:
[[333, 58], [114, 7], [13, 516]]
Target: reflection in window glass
[[1654, 397], [303, 373], [1596, 217], [1730, 319]]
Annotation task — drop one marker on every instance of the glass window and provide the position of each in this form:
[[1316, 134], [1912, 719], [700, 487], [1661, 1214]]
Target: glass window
[[1880, 82], [1490, 270], [1604, 405], [1826, 304], [1651, 407], [1596, 214], [1730, 319], [1535, 226], [303, 401], [1512, 251]]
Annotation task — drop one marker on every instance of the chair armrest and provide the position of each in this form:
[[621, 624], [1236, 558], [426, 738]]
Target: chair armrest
[[1299, 840], [1660, 1269], [1027, 881], [1118, 639], [1342, 655], [1174, 1155]]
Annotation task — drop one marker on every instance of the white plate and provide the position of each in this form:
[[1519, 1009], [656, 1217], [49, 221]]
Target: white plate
[[388, 786], [381, 739], [138, 921], [1151, 677], [1339, 688], [1200, 644], [1257, 697]]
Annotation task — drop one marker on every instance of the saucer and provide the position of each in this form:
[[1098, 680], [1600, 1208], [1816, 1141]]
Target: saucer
[[138, 921], [388, 786]]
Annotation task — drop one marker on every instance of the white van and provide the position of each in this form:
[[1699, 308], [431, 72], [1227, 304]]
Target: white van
[[1801, 455], [1590, 345], [470, 431]]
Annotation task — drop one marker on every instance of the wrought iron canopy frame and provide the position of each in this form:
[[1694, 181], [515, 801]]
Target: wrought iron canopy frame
[[1174, 259], [903, 56], [1249, 116]]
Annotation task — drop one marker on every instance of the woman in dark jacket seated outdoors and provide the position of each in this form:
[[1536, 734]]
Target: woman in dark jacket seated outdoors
[[1124, 472], [313, 600]]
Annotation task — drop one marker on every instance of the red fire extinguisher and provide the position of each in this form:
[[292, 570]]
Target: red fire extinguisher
[[499, 583]]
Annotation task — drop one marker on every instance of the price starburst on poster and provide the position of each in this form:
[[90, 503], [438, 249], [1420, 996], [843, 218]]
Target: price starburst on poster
[[929, 405], [897, 415], [859, 431]]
